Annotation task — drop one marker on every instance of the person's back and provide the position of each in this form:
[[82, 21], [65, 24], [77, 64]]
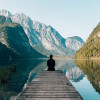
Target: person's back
[[51, 64]]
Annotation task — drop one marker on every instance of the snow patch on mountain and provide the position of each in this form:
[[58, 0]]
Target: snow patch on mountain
[[22, 19], [5, 13], [45, 39]]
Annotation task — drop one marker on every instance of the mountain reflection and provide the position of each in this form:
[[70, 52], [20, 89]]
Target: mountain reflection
[[26, 70], [69, 68], [91, 68]]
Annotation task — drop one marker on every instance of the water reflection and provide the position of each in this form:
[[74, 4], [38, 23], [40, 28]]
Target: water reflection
[[20, 78], [70, 70], [91, 68], [26, 70]]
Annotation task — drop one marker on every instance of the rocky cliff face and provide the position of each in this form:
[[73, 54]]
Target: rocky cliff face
[[45, 39], [13, 37], [42, 38], [75, 42], [5, 13]]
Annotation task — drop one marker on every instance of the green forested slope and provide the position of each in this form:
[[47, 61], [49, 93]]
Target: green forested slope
[[91, 49]]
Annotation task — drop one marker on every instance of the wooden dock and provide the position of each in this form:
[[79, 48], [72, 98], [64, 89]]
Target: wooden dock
[[50, 85]]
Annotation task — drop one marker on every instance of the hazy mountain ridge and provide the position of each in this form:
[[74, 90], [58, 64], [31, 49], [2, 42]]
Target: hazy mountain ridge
[[75, 42], [14, 40], [91, 49], [45, 39]]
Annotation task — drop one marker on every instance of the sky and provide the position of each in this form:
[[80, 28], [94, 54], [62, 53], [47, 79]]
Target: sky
[[68, 17]]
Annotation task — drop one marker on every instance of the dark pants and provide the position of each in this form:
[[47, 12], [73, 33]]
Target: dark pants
[[51, 69]]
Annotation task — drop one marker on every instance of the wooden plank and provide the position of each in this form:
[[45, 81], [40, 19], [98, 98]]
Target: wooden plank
[[50, 99], [50, 85], [43, 94], [51, 91]]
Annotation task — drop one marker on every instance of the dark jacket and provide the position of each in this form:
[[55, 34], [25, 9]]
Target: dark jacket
[[51, 64]]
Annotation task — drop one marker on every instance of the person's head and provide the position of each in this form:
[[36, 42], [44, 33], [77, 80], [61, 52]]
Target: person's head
[[51, 56]]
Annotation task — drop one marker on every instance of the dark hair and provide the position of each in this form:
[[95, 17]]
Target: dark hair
[[51, 56]]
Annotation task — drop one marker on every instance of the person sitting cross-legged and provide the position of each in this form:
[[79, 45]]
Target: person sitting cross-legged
[[51, 64]]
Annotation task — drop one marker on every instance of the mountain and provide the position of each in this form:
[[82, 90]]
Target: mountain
[[52, 41], [4, 19], [75, 42], [5, 13], [45, 39], [42, 38], [14, 42], [91, 49], [6, 52]]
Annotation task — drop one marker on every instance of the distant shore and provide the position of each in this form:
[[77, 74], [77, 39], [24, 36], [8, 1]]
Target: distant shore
[[94, 58]]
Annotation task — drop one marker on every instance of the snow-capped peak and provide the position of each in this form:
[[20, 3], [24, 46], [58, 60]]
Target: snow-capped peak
[[21, 15], [22, 19], [44, 38], [5, 13]]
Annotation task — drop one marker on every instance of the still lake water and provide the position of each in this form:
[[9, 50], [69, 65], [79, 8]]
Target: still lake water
[[83, 74]]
